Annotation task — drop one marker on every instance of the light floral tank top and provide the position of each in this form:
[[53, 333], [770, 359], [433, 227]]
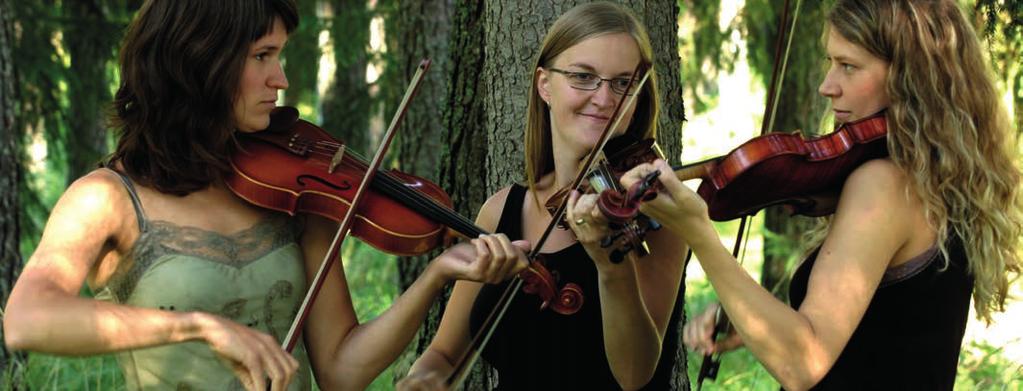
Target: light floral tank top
[[254, 277]]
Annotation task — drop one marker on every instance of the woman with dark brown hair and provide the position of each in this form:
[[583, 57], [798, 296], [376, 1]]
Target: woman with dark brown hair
[[196, 288]]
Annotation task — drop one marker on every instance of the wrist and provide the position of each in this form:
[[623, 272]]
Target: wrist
[[700, 235], [608, 272], [434, 278], [195, 326]]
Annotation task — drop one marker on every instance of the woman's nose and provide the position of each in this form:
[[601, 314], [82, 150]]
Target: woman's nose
[[829, 88], [278, 79], [603, 96]]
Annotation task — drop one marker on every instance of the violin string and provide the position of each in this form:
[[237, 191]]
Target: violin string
[[399, 188], [400, 191], [426, 205]]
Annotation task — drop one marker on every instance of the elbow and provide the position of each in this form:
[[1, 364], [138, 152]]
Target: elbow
[[637, 377], [796, 384], [344, 380], [635, 383], [17, 330], [14, 338], [800, 379]]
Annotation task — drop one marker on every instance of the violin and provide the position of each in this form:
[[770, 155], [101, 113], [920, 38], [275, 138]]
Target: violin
[[785, 168], [620, 206], [295, 167], [803, 174]]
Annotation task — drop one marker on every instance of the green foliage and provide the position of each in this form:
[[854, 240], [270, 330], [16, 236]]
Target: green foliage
[[1005, 18], [739, 370], [44, 372], [373, 282], [1002, 25], [984, 367], [705, 51], [302, 56], [40, 106]]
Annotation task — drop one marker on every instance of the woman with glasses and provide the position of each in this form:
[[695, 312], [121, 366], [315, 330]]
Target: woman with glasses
[[617, 337], [883, 301]]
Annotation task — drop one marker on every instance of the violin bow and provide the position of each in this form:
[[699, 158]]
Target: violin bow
[[479, 341], [711, 362], [342, 230]]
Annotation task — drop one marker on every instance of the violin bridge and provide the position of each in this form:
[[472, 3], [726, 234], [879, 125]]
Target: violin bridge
[[336, 160]]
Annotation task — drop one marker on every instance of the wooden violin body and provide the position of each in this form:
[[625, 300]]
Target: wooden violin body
[[291, 167], [296, 167], [786, 168]]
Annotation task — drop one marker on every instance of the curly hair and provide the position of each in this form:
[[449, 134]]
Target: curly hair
[[947, 129], [180, 64]]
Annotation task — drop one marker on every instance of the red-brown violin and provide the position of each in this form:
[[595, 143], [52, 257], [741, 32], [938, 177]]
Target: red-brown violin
[[297, 167], [803, 174], [788, 169]]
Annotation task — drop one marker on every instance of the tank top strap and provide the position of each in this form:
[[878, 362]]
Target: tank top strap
[[511, 216], [140, 214]]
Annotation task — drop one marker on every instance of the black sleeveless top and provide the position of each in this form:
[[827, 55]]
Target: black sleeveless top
[[535, 349], [910, 335]]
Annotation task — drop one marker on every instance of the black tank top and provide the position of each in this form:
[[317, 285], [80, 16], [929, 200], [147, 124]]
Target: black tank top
[[535, 349], [910, 335]]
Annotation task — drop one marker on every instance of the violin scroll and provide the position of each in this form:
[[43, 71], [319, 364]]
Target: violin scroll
[[538, 280]]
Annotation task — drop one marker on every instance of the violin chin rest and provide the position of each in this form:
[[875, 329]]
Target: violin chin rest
[[282, 118], [815, 205]]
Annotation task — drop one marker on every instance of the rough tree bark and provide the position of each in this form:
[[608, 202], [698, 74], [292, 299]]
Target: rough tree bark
[[10, 178]]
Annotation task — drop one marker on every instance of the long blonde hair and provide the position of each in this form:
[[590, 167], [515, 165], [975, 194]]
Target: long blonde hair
[[579, 24], [948, 130]]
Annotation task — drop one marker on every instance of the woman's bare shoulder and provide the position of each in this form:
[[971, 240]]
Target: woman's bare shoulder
[[490, 213]]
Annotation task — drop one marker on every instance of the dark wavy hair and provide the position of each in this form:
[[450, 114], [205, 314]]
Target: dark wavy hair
[[181, 62]]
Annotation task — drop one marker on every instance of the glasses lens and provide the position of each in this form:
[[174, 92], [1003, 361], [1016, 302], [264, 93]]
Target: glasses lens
[[585, 81], [620, 85]]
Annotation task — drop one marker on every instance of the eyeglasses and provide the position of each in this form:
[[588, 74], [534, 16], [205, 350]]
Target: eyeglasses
[[590, 82]]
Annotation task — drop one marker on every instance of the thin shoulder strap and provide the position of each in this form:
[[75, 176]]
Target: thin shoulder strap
[[135, 201]]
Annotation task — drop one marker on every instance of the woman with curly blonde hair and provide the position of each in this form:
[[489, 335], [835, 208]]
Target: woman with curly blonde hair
[[884, 300]]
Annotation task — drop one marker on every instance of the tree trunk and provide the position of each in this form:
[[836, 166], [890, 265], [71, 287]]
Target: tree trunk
[[421, 30], [89, 37], [10, 178], [303, 60], [346, 106], [799, 108], [488, 61]]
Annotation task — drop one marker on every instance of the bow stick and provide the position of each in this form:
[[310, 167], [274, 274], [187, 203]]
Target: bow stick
[[722, 326], [342, 230]]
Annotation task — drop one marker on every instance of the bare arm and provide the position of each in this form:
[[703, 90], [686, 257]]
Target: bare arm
[[636, 296], [348, 355], [45, 314], [799, 347], [453, 337], [89, 230]]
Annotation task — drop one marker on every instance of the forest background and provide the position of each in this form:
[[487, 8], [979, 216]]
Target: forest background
[[348, 64]]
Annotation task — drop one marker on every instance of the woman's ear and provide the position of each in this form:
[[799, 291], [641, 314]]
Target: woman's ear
[[543, 84]]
